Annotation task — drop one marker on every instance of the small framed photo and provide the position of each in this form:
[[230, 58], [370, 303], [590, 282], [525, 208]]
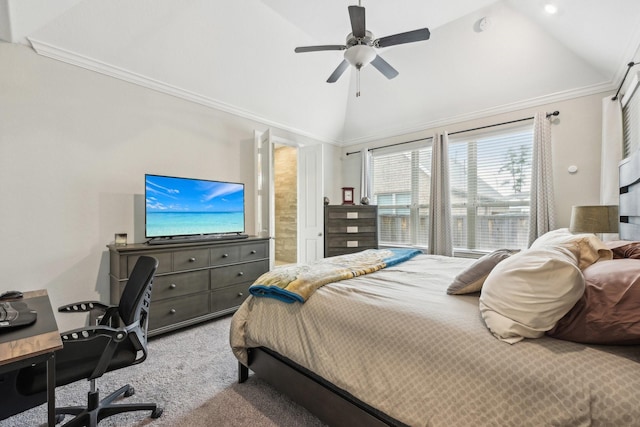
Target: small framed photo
[[347, 196]]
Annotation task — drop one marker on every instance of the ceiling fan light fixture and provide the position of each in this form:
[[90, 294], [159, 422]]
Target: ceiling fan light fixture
[[360, 55]]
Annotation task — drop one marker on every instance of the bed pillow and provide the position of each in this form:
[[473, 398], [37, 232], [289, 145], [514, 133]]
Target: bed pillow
[[624, 249], [471, 278], [526, 294], [586, 247], [608, 311]]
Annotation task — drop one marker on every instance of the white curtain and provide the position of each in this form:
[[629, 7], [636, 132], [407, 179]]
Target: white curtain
[[365, 179], [440, 240], [611, 150], [542, 209]]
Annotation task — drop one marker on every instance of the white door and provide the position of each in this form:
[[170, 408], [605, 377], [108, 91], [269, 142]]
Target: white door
[[265, 210], [310, 204]]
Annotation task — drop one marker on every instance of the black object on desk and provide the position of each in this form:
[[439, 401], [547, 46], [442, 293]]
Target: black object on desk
[[15, 314], [36, 343], [10, 295]]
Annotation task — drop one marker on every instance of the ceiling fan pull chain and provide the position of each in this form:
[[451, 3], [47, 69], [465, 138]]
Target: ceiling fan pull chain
[[357, 82]]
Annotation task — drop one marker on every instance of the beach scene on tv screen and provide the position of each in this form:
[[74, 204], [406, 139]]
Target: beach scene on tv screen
[[180, 206]]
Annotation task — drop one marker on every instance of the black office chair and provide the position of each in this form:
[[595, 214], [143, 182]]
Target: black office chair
[[90, 352]]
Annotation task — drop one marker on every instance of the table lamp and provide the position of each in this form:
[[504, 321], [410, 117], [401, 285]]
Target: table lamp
[[594, 219]]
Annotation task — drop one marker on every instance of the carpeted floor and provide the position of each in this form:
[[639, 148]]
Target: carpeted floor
[[192, 374]]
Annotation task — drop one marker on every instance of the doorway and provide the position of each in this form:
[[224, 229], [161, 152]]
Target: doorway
[[285, 178]]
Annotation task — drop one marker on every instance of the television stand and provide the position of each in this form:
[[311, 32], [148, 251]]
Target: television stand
[[195, 281], [196, 239]]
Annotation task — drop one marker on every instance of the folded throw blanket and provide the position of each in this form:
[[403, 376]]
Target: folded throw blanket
[[297, 282]]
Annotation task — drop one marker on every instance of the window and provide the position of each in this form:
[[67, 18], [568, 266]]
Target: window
[[490, 181], [400, 188]]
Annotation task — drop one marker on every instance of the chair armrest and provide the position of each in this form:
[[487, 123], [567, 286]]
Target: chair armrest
[[83, 307], [97, 310]]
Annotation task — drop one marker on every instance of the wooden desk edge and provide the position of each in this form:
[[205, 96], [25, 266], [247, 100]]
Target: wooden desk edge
[[15, 351]]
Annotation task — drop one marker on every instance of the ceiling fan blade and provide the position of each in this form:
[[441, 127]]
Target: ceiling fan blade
[[356, 13], [384, 67], [408, 37], [338, 71], [319, 48]]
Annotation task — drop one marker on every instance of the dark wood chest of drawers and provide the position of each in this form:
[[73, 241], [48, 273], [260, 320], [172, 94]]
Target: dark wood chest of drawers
[[350, 228], [194, 281]]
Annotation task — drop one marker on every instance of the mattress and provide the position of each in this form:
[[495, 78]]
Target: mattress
[[396, 341]]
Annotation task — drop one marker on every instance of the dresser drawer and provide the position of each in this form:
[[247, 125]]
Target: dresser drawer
[[254, 251], [349, 227], [168, 312], [351, 214], [225, 255], [189, 260], [229, 297], [165, 264], [239, 273], [362, 241], [179, 284]]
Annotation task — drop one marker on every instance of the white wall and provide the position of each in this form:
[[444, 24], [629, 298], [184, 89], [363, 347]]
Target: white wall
[[74, 148], [576, 139]]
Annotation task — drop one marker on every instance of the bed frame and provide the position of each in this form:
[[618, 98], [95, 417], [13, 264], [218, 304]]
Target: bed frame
[[335, 406], [329, 403]]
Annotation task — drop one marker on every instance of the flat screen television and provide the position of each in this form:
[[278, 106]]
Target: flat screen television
[[177, 206]]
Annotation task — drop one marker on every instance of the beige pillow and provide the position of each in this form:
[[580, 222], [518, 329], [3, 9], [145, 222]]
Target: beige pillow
[[471, 278], [586, 247], [527, 293]]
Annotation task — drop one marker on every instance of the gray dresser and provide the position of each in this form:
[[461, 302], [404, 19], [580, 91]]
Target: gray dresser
[[350, 228], [194, 281]]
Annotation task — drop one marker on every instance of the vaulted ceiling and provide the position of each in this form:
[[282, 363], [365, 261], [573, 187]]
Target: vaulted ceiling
[[238, 56]]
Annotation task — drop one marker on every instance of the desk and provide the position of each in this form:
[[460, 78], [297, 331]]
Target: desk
[[36, 343]]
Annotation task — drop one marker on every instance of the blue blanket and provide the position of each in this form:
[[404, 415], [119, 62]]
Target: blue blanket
[[297, 282]]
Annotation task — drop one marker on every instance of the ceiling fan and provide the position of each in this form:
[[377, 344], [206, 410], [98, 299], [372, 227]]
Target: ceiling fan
[[360, 48]]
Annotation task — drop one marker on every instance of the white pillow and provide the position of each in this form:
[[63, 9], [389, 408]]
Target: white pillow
[[586, 247], [527, 293]]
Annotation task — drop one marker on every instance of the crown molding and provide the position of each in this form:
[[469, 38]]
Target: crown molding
[[51, 51], [480, 114], [63, 55]]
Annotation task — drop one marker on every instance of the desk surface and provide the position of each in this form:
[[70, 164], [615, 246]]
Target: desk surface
[[40, 338]]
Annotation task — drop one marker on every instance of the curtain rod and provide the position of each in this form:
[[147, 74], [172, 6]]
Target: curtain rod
[[629, 65], [393, 145], [555, 113]]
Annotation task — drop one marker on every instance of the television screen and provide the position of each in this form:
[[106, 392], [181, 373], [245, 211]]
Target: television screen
[[186, 206]]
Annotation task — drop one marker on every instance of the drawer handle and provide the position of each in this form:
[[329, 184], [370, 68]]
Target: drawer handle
[[253, 252], [172, 311], [240, 294], [225, 255], [241, 274], [192, 260], [173, 286]]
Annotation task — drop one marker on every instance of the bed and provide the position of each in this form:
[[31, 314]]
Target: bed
[[393, 348]]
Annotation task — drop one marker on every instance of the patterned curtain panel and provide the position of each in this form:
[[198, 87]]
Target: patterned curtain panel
[[542, 213], [440, 240], [365, 179]]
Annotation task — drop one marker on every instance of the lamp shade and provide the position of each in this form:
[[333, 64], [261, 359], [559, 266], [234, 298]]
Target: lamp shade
[[594, 219]]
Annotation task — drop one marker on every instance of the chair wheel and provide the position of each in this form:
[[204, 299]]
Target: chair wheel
[[59, 418], [157, 413], [130, 392]]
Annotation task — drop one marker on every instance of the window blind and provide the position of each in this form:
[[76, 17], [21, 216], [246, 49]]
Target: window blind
[[401, 180], [490, 181], [631, 119]]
